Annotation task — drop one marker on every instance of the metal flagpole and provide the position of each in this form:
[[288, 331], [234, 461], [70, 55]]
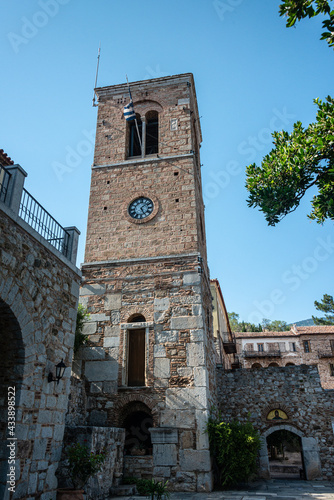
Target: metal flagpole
[[97, 71], [141, 147]]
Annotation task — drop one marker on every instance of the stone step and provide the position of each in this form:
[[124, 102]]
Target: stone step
[[123, 490]]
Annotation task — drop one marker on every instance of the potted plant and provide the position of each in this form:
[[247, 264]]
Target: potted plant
[[83, 464]]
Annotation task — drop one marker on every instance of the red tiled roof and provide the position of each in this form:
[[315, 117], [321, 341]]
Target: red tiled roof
[[299, 330], [4, 159]]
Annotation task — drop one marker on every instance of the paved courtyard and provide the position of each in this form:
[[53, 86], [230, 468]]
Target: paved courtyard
[[274, 489]]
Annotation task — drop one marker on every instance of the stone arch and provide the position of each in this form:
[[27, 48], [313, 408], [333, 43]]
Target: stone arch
[[128, 399], [273, 364], [12, 361], [310, 452], [256, 366], [136, 318], [136, 418], [290, 364]]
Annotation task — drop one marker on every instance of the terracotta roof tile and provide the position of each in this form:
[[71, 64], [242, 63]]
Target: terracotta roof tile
[[301, 330], [5, 160]]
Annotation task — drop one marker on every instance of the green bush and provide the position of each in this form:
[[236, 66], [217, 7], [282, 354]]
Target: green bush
[[152, 488], [83, 464], [234, 448], [80, 338]]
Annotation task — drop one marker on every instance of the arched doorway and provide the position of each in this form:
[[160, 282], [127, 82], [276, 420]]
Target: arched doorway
[[137, 419], [12, 357], [309, 451], [285, 457]]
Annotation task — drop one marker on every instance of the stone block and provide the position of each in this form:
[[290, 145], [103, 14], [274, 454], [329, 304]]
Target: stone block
[[191, 278], [184, 398], [202, 437], [113, 302], [166, 336], [187, 439], [184, 419], [163, 435], [161, 472], [96, 371], [89, 328], [195, 354], [112, 331], [159, 351], [164, 454], [111, 342], [91, 353], [92, 289], [161, 367], [205, 482], [186, 322], [201, 378], [161, 304], [194, 460], [98, 317]]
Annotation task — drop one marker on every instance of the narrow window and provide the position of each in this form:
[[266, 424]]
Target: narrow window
[[152, 133], [307, 347], [136, 358], [332, 345], [331, 369], [260, 347], [293, 346], [134, 143]]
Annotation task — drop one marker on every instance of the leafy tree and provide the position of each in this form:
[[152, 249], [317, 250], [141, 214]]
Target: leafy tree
[[304, 158], [80, 338], [299, 160], [234, 448], [242, 326], [275, 326], [295, 10], [327, 306]]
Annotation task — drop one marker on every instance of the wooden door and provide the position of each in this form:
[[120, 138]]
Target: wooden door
[[136, 358]]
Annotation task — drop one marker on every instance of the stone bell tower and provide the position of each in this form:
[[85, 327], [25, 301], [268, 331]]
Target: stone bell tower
[[150, 364]]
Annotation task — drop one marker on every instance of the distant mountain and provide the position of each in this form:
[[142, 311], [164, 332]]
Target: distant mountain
[[304, 322]]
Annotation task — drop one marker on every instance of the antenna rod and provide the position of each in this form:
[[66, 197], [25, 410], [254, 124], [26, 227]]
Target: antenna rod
[[97, 72]]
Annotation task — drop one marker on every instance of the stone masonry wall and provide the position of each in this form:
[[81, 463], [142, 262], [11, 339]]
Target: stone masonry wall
[[321, 353], [38, 296], [296, 390], [180, 378]]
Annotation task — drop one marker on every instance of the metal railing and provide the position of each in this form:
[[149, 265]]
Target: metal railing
[[4, 182], [274, 353], [39, 219]]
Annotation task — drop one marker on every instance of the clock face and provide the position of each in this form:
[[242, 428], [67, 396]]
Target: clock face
[[141, 207]]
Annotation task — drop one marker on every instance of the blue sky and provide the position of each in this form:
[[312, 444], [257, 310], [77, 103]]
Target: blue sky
[[252, 75]]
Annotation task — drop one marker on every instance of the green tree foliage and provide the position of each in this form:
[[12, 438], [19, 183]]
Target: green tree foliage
[[326, 305], [234, 448], [243, 326], [83, 464], [295, 10], [80, 338], [275, 326], [298, 161]]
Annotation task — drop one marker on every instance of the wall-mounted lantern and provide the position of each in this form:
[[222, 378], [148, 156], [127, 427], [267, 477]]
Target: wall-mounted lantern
[[60, 369]]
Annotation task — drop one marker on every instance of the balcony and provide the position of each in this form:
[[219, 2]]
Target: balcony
[[230, 347], [274, 353], [326, 353]]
